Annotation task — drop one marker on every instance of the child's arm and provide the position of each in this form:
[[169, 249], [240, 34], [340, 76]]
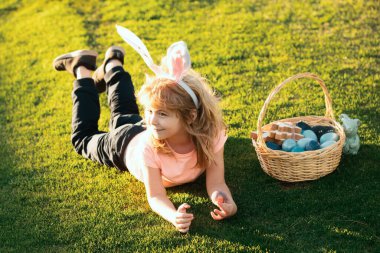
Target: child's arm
[[218, 190], [160, 203]]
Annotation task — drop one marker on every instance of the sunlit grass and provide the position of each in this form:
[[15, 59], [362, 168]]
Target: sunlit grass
[[53, 200]]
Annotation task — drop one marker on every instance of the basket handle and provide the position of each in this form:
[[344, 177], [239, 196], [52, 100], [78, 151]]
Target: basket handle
[[328, 102]]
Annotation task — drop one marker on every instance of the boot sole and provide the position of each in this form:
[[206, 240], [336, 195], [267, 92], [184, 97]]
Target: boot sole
[[75, 54]]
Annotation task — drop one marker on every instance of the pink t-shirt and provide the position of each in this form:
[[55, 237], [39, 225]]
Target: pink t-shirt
[[175, 170]]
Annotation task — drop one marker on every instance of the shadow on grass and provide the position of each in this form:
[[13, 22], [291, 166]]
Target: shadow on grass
[[272, 214], [9, 9], [282, 216], [21, 189]]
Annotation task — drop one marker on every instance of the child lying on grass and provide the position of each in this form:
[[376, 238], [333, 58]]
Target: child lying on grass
[[183, 134]]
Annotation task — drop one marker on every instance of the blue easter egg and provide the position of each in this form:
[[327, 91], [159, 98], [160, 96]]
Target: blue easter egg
[[297, 149], [302, 142], [288, 144], [273, 145], [310, 134], [329, 137], [312, 145], [327, 143], [303, 125]]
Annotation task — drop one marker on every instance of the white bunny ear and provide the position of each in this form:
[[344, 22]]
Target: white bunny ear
[[178, 60], [139, 46]]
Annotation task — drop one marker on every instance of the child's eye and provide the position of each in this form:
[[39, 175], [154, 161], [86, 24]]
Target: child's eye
[[162, 114]]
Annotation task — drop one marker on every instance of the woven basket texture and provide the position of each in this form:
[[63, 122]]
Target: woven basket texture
[[302, 166]]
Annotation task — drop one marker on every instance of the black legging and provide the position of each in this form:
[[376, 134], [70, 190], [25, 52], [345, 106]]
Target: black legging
[[125, 122]]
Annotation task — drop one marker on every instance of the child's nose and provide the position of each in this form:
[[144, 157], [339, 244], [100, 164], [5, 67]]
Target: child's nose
[[153, 119]]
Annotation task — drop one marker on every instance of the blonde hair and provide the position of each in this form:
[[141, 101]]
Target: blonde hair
[[208, 123]]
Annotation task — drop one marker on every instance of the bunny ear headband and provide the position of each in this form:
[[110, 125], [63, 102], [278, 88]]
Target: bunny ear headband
[[177, 60]]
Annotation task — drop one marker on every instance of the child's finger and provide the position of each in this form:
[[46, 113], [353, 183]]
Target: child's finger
[[215, 216], [220, 212], [184, 226], [184, 215], [224, 207], [182, 208], [183, 231], [184, 220]]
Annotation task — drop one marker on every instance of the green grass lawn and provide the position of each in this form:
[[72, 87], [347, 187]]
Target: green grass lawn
[[53, 200]]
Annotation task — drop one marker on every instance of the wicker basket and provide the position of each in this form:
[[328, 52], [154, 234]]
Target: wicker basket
[[307, 165]]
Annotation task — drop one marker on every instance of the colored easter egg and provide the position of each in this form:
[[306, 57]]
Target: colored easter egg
[[310, 134], [302, 142], [327, 143], [312, 145], [303, 125], [297, 149], [288, 144], [329, 137], [321, 130], [273, 145]]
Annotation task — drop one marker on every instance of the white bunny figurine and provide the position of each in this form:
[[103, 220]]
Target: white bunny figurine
[[351, 126]]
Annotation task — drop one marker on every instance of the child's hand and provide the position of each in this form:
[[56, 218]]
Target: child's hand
[[227, 207], [183, 220]]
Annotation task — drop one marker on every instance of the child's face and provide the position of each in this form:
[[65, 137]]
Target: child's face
[[164, 124]]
